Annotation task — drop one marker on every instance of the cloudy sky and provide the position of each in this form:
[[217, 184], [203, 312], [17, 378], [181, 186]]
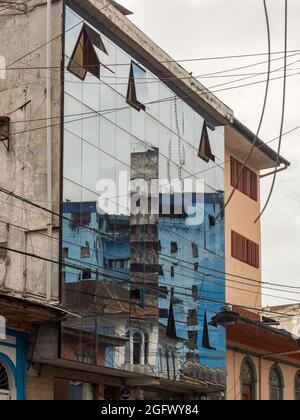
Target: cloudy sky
[[209, 28]]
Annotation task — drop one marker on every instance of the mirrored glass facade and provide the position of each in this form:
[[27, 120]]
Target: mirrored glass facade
[[143, 272]]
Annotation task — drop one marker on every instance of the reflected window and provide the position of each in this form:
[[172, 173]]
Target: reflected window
[[127, 349], [137, 349], [192, 318], [146, 348], [85, 219], [161, 368], [195, 292], [248, 381], [174, 247], [85, 251], [88, 54], [174, 364], [163, 313], [86, 275], [195, 250], [212, 221], [167, 355], [205, 152], [193, 340], [137, 92], [65, 390], [276, 384], [75, 221], [206, 338], [65, 252], [84, 357], [297, 386]]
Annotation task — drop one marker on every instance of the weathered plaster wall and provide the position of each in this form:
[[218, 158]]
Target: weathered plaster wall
[[23, 168]]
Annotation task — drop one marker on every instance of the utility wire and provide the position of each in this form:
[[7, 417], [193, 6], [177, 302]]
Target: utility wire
[[85, 264], [282, 115], [256, 138], [110, 2], [106, 297], [108, 111], [107, 236]]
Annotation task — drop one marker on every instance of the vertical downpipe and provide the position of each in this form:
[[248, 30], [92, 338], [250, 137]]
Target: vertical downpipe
[[49, 151]]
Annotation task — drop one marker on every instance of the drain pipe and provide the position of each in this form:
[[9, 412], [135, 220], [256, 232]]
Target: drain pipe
[[49, 151]]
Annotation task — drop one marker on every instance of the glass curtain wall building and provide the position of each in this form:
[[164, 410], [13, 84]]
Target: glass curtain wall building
[[145, 283]]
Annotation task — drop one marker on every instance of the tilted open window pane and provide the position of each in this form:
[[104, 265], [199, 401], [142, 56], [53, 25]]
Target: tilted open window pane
[[88, 54], [205, 152], [137, 93], [205, 337], [4, 131]]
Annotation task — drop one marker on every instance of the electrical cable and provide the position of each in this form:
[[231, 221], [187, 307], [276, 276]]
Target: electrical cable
[[244, 164], [73, 266], [107, 236], [282, 115]]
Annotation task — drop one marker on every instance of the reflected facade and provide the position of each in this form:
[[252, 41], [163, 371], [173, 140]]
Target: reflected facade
[[145, 284]]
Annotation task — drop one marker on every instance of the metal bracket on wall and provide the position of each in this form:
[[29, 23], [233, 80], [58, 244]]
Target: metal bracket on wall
[[5, 132]]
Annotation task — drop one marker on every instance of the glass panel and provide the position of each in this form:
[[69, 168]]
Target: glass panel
[[91, 166], [72, 192], [152, 131], [73, 115], [73, 29], [72, 157], [123, 113], [108, 69], [188, 123], [122, 72], [128, 275], [90, 127], [141, 85], [107, 136], [123, 144], [153, 95], [73, 86], [108, 102], [91, 92], [165, 105]]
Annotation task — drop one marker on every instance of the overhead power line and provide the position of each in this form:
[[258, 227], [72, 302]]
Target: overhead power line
[[206, 299], [169, 260], [256, 138], [282, 114], [105, 236]]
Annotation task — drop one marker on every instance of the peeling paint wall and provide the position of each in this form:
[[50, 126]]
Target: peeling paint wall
[[23, 168]]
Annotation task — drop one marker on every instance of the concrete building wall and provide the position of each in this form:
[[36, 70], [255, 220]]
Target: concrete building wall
[[239, 217], [40, 388], [23, 167], [234, 363]]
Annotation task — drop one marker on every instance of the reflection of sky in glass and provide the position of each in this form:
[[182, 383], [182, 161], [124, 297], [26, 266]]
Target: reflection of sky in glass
[[141, 85], [101, 145]]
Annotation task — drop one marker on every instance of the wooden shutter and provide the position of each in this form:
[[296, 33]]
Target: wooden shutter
[[244, 250], [248, 181]]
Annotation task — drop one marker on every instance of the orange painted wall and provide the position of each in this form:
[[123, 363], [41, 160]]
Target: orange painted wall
[[240, 216]]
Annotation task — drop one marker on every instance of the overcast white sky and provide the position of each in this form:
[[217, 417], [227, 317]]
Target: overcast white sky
[[206, 28]]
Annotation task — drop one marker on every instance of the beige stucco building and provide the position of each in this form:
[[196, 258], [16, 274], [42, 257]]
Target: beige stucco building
[[263, 362]]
